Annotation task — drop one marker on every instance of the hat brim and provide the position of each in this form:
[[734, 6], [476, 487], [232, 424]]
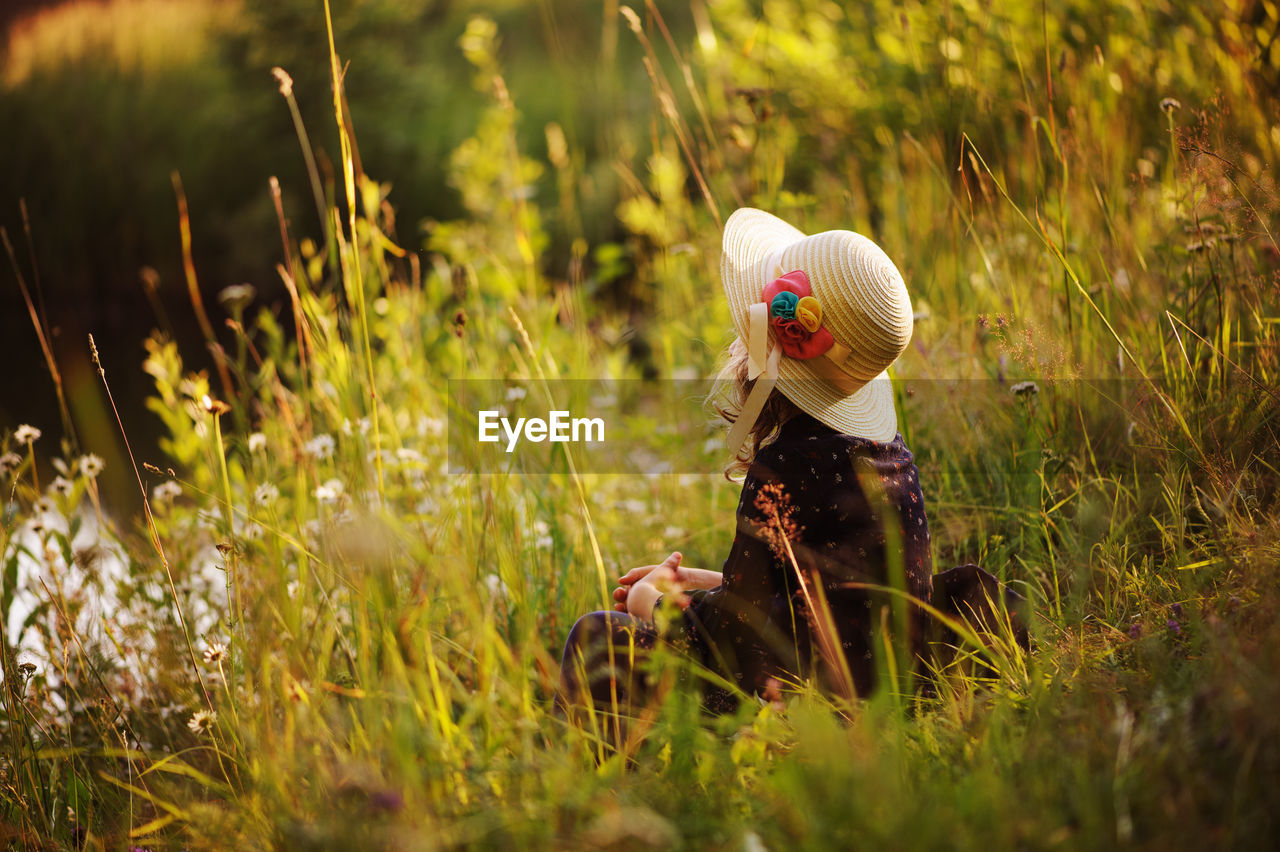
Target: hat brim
[[753, 240]]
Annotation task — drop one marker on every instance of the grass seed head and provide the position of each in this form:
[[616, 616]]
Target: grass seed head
[[285, 81]]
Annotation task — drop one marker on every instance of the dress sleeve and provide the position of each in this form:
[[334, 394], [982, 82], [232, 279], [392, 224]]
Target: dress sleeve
[[729, 626]]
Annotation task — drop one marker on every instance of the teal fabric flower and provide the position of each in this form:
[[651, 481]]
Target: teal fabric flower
[[784, 305]]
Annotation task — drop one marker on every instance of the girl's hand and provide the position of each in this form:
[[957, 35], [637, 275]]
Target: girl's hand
[[686, 578], [620, 598], [636, 574], [629, 579], [663, 579]]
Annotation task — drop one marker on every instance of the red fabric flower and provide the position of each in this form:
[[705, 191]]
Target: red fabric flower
[[796, 340], [796, 282]]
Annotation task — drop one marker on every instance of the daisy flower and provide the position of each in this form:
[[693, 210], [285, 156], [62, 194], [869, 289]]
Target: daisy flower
[[166, 491], [91, 465], [202, 721], [215, 653], [321, 446], [26, 434]]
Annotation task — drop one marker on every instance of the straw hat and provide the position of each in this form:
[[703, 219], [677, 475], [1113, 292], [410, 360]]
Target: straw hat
[[827, 353]]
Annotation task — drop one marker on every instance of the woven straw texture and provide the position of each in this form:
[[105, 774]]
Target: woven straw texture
[[864, 304]]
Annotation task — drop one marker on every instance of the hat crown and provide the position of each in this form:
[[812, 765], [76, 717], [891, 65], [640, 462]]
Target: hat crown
[[864, 300], [864, 305]]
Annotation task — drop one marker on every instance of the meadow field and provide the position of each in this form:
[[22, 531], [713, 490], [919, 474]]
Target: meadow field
[[315, 632]]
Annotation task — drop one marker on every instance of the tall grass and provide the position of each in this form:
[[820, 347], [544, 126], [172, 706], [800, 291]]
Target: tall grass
[[356, 647]]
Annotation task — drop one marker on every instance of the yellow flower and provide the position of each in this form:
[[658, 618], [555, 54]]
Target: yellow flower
[[809, 312]]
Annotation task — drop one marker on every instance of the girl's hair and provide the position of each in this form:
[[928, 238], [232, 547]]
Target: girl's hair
[[727, 397]]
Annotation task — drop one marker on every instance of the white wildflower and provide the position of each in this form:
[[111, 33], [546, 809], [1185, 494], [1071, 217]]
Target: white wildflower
[[266, 494], [542, 533], [27, 434], [61, 485], [321, 446], [408, 455], [330, 491], [215, 652], [202, 721], [91, 465], [166, 491], [516, 393], [257, 442], [361, 425], [237, 297], [1025, 389], [9, 462], [431, 427], [497, 589]]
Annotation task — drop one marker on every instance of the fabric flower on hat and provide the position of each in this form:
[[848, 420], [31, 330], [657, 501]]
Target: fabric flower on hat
[[796, 316]]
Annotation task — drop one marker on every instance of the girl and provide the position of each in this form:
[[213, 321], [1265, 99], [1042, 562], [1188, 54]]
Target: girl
[[831, 500]]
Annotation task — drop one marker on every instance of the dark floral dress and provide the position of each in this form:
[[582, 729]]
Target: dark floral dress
[[820, 513]]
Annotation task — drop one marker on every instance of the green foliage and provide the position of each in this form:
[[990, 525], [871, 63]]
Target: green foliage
[[320, 638]]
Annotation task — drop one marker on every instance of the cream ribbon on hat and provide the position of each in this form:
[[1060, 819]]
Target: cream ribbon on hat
[[763, 369]]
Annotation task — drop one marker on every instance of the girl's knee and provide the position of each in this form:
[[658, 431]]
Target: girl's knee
[[592, 633], [588, 628]]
